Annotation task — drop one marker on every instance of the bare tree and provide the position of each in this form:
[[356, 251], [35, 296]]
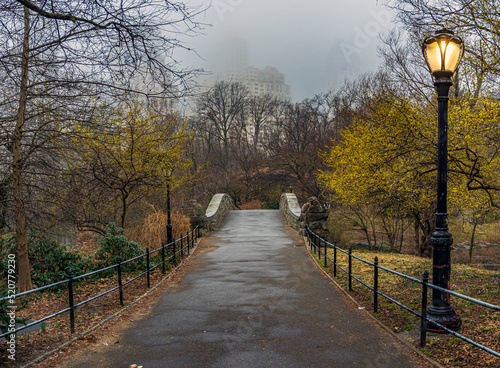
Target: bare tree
[[221, 110], [57, 58], [296, 144], [260, 110], [473, 20]]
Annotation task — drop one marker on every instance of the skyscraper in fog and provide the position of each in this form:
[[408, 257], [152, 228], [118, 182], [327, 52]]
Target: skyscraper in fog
[[266, 81], [231, 64], [231, 57]]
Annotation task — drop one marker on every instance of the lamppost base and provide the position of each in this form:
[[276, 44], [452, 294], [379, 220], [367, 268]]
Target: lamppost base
[[445, 316]]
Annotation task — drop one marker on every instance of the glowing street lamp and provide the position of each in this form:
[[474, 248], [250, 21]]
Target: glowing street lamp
[[443, 52]]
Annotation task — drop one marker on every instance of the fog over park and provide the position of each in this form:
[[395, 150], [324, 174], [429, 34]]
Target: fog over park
[[316, 44]]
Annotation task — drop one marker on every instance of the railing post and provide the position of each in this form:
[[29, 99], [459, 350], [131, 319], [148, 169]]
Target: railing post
[[326, 258], [309, 236], [163, 258], [318, 244], [188, 241], [335, 259], [315, 244], [423, 318], [375, 286], [174, 255], [147, 265], [120, 288], [182, 247], [350, 269], [71, 301]]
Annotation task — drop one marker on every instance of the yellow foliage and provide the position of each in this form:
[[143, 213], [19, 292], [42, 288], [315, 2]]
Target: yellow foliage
[[137, 143], [474, 161], [385, 159], [389, 158], [122, 156]]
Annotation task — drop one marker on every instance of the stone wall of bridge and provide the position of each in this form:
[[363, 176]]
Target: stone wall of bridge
[[210, 219], [311, 213], [291, 208]]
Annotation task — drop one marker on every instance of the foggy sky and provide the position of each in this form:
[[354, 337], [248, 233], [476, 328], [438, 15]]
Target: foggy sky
[[316, 44]]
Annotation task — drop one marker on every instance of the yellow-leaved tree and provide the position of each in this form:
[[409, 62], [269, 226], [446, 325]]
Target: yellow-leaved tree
[[474, 160], [386, 161], [123, 156]]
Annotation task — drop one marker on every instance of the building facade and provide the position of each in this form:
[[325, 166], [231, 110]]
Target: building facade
[[265, 81]]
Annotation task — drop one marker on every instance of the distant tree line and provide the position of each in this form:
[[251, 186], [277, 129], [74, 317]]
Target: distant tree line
[[255, 147]]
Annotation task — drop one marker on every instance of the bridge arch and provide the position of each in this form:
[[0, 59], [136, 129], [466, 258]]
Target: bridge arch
[[209, 220]]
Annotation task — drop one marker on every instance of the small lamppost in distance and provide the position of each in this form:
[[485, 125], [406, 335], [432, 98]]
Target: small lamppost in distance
[[168, 175]]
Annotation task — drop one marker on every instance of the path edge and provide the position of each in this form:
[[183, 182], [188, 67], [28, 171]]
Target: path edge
[[367, 313]]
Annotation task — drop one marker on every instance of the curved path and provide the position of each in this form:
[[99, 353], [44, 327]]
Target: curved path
[[255, 300]]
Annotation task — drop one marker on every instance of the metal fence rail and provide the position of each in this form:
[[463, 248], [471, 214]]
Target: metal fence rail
[[315, 242], [186, 243]]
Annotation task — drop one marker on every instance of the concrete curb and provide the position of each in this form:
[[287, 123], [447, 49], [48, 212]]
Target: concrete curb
[[371, 316], [109, 318]]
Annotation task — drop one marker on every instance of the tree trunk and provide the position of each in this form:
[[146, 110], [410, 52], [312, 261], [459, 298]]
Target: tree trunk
[[124, 209], [371, 222], [425, 243], [24, 277], [402, 236], [256, 135], [416, 230], [363, 224], [472, 241]]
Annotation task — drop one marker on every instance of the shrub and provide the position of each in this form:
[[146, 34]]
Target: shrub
[[114, 244], [49, 260], [337, 229], [271, 205], [152, 232]]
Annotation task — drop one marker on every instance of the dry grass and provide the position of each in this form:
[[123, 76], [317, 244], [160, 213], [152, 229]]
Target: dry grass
[[153, 230]]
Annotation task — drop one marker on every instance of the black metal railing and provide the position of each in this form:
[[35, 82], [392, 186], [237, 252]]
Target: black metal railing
[[320, 245], [176, 248]]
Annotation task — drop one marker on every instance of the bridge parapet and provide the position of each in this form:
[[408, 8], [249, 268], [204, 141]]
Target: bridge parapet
[[312, 213], [291, 208], [220, 204]]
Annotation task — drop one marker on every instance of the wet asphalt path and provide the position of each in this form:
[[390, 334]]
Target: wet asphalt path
[[256, 300]]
